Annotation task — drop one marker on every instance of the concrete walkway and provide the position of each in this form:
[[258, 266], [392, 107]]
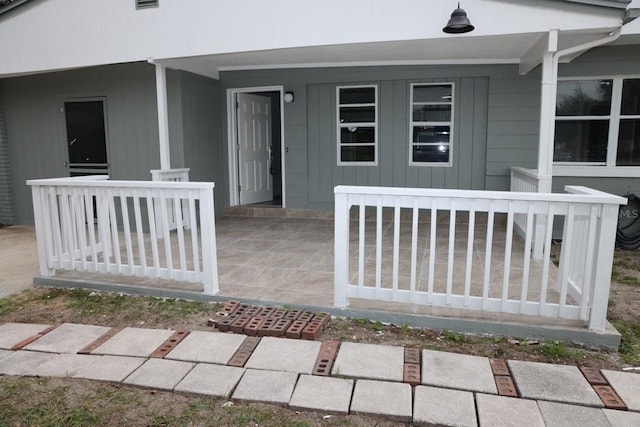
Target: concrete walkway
[[420, 387]]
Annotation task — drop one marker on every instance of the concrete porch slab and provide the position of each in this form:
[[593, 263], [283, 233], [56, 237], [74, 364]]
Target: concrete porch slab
[[393, 400], [67, 338], [440, 406], [563, 415], [209, 347], [556, 383], [110, 368], [5, 353], [159, 374], [324, 394], [13, 333], [283, 354], [273, 387], [500, 411], [627, 385], [377, 362], [212, 380], [23, 362], [137, 342], [622, 418], [459, 371], [64, 365]]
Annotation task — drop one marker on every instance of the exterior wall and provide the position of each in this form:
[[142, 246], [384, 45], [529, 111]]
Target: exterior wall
[[496, 126], [7, 215], [36, 124]]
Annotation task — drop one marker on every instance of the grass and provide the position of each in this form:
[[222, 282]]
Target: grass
[[629, 349]]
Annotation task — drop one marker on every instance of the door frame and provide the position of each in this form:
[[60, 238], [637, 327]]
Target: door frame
[[67, 163], [232, 137]]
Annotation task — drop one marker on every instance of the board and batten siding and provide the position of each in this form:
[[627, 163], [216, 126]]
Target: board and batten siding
[[7, 212], [36, 124], [393, 170]]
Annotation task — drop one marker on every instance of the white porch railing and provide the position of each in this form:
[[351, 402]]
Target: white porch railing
[[171, 175], [92, 224], [582, 283], [530, 181]]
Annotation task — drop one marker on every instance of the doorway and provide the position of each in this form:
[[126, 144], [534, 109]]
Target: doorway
[[86, 137], [255, 146]]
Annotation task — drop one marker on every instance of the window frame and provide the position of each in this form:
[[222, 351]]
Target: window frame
[[450, 123], [609, 167], [339, 126]]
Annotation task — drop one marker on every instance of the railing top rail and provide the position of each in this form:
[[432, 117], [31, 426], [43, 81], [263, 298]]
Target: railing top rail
[[531, 173], [74, 182], [598, 197]]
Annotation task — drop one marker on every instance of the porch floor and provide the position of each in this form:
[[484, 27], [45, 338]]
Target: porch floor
[[290, 261]]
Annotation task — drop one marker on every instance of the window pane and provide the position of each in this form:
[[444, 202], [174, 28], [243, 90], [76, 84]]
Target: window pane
[[357, 135], [631, 96], [584, 98], [358, 95], [431, 153], [431, 133], [357, 154], [629, 143], [435, 93], [432, 113], [581, 141], [357, 114]]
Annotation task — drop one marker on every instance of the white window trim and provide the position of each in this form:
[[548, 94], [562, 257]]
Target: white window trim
[[599, 169], [450, 123], [343, 125]]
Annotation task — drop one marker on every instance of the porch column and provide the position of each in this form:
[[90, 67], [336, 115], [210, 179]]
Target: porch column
[[163, 116], [547, 112]]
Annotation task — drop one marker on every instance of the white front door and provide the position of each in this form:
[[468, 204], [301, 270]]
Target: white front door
[[254, 148]]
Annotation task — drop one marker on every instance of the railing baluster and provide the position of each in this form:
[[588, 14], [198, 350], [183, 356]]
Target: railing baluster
[[589, 262], [361, 244], [527, 257], [565, 259], [432, 249], [142, 250], [126, 229], [487, 256], [546, 258], [378, 246], [194, 234], [151, 210], [81, 225], [396, 247], [470, 243], [177, 205], [507, 257], [91, 227], [113, 223], [164, 226], [55, 222], [414, 248], [452, 241]]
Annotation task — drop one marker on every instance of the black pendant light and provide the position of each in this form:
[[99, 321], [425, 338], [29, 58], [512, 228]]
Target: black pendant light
[[459, 23]]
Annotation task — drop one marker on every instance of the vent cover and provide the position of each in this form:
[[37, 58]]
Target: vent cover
[[145, 4]]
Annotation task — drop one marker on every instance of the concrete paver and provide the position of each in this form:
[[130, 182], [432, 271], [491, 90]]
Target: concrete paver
[[622, 418], [266, 386], [64, 365], [440, 406], [627, 385], [328, 395], [159, 374], [209, 347], [564, 415], [23, 362], [556, 383], [393, 400], [461, 371], [4, 353], [500, 411], [212, 380], [137, 342], [377, 362], [67, 338], [282, 354], [13, 333], [110, 368]]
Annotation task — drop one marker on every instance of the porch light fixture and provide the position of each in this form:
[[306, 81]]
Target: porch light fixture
[[459, 23], [288, 97]]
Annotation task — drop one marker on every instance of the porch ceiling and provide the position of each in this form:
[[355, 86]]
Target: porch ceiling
[[504, 49]]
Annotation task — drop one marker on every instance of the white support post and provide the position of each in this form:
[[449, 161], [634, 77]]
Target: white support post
[[341, 250], [548, 105], [163, 116], [605, 244], [209, 255]]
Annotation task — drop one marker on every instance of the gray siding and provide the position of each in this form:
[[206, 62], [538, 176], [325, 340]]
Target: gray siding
[[7, 213], [496, 126], [36, 124]]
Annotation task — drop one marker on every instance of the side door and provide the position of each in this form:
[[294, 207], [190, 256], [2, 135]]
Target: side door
[[86, 137]]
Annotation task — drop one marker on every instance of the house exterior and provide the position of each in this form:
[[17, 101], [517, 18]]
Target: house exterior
[[379, 95]]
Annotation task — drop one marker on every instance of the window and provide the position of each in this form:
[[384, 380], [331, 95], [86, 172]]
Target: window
[[357, 125], [431, 124], [597, 123]]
